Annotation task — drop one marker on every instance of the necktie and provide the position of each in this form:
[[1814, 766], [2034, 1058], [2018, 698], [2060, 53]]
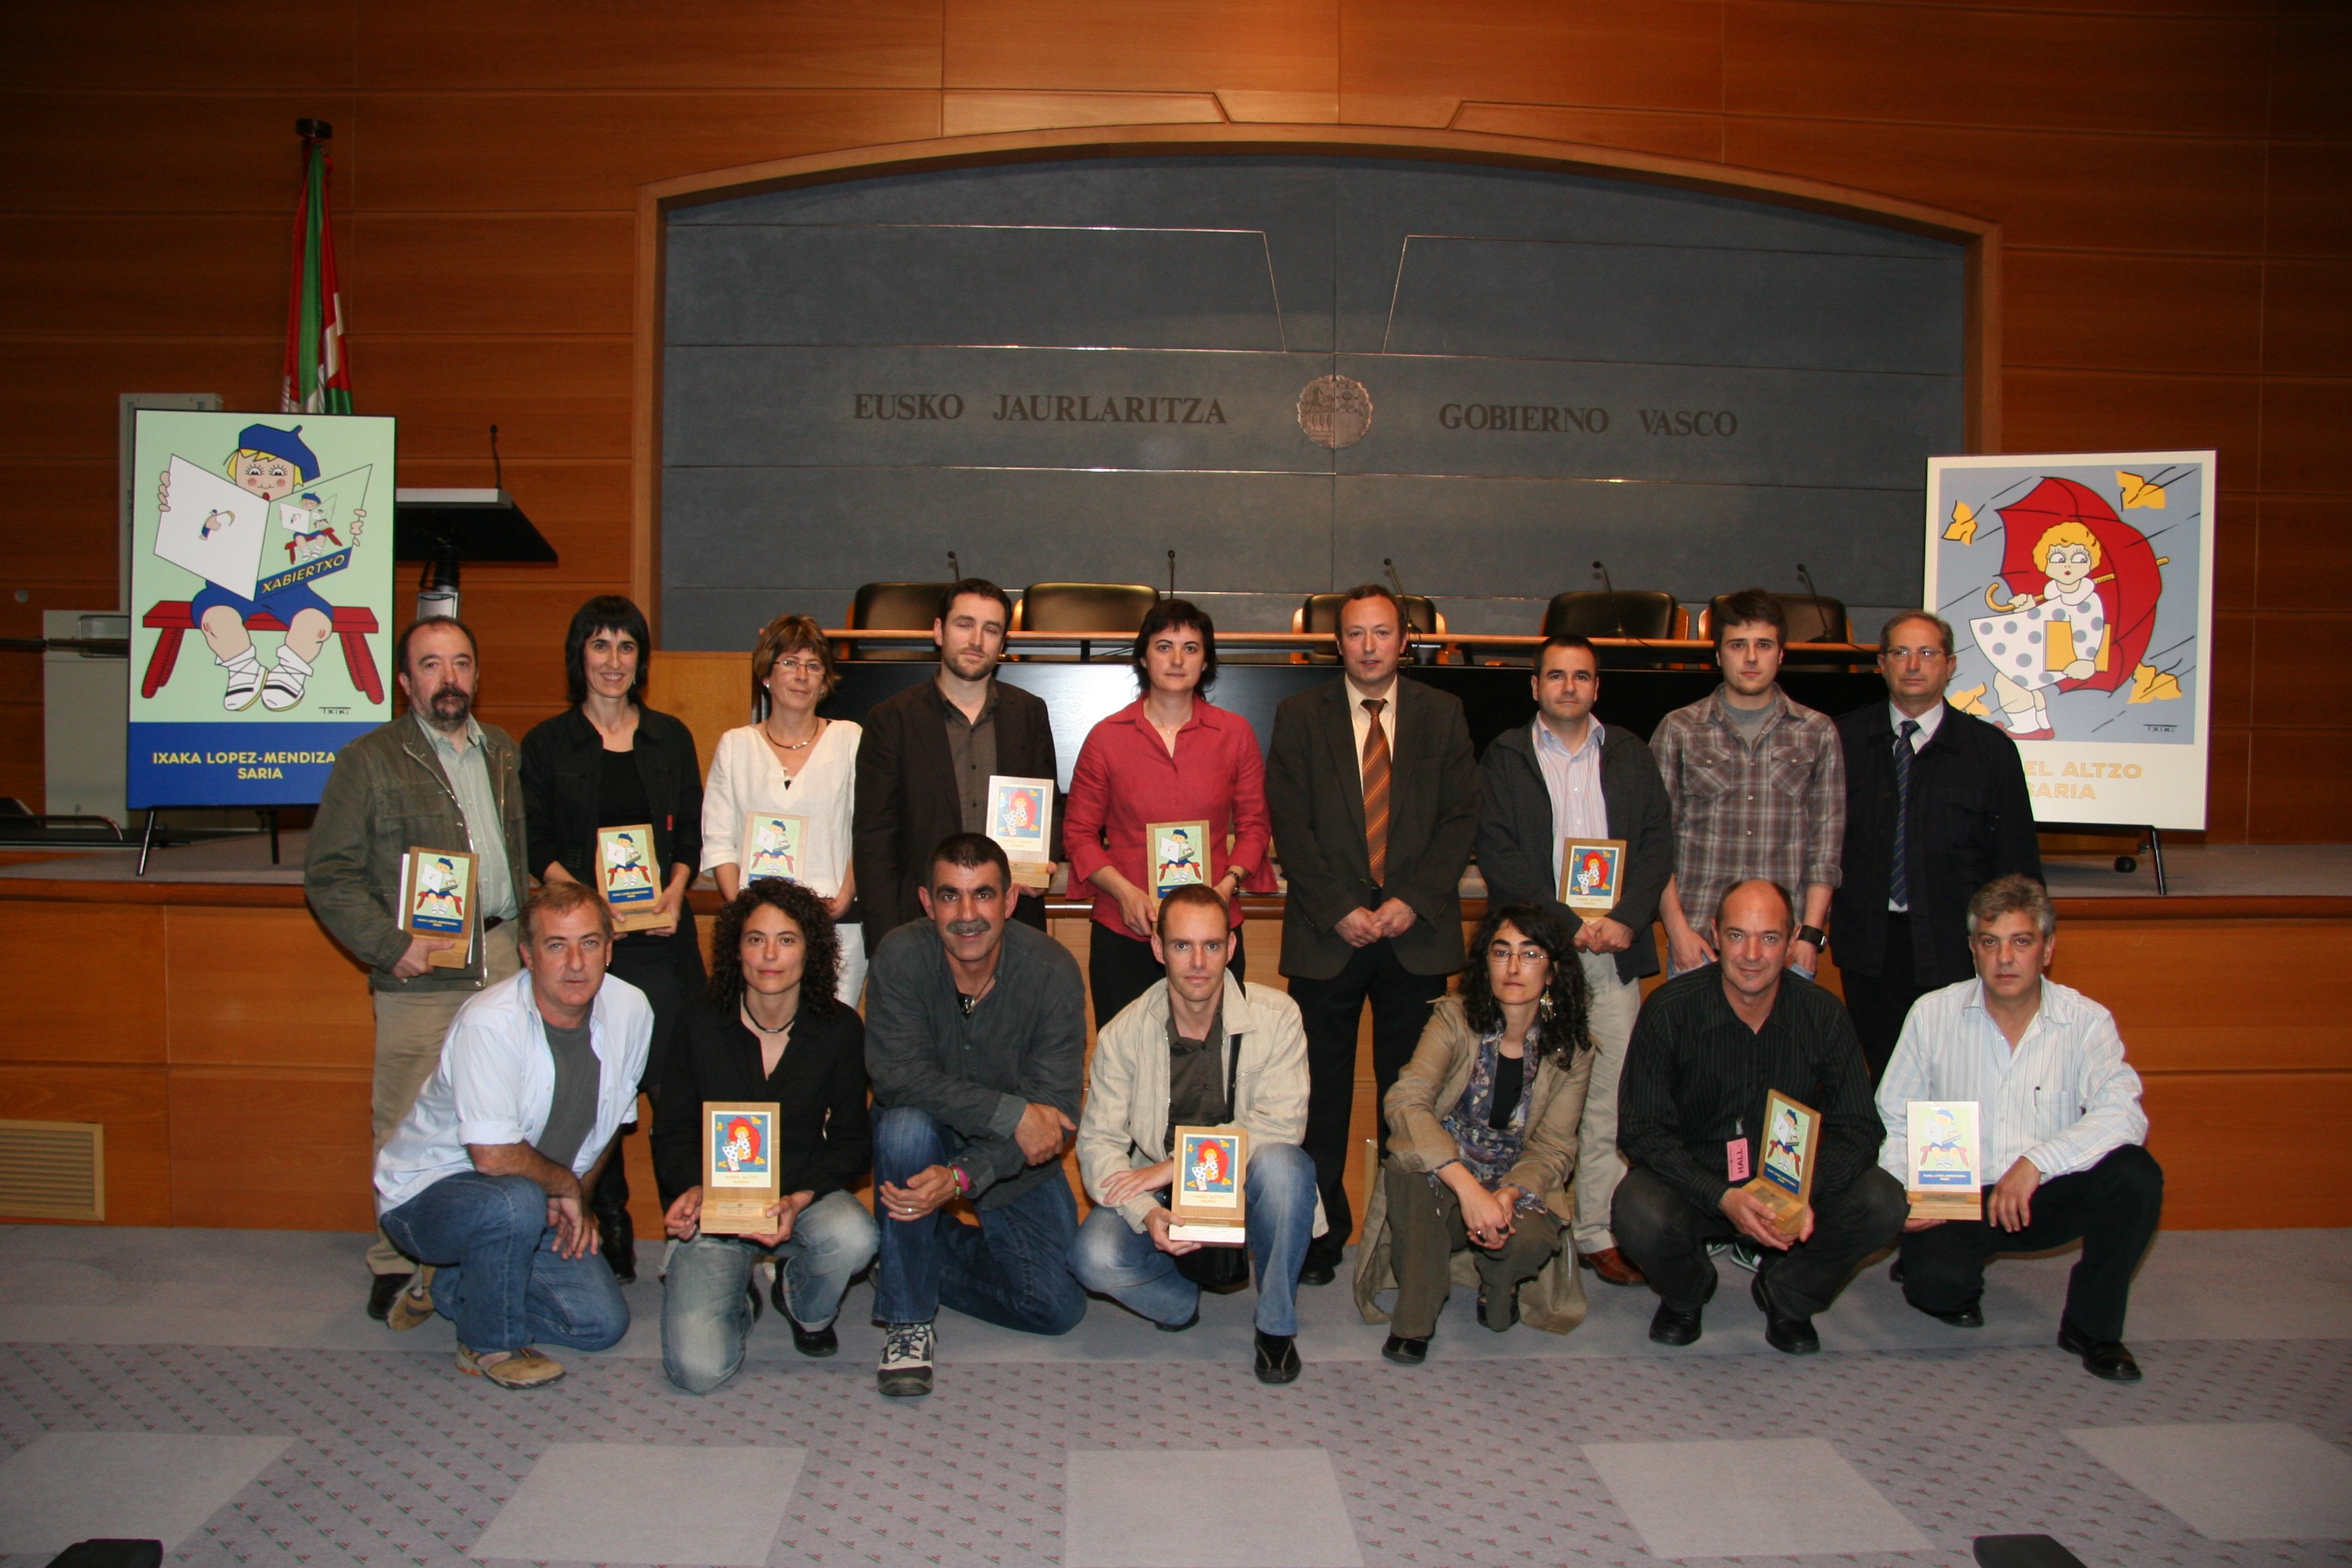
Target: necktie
[[1898, 879], [1376, 790]]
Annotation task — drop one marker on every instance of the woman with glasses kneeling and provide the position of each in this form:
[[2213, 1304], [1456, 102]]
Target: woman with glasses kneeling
[[1482, 1144], [769, 1028]]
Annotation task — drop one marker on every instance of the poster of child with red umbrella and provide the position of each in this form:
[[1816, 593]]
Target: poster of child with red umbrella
[[2078, 587]]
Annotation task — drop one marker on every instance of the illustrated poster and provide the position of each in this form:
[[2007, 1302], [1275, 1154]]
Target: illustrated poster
[[261, 602], [2080, 590]]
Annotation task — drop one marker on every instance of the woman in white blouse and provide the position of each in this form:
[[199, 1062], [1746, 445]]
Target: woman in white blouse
[[792, 763]]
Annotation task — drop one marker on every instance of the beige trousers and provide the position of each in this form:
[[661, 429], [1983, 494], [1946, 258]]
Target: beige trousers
[[1599, 1166], [409, 1029]]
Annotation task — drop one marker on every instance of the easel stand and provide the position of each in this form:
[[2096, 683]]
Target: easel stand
[[2151, 843], [148, 838]]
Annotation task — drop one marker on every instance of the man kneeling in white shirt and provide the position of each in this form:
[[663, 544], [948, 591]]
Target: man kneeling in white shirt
[[1200, 1049], [482, 1182], [2058, 1115]]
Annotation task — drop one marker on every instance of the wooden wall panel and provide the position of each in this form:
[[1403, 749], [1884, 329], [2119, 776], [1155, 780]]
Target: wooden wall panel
[[228, 276], [2304, 424], [2309, 66], [580, 504], [131, 1102], [550, 396], [2228, 778], [2305, 556], [2199, 1121], [2097, 310], [2108, 411], [274, 1150], [58, 396], [2236, 544], [1142, 46], [1665, 54], [1672, 135], [2186, 76], [606, 44], [2307, 316], [84, 983], [264, 987], [2299, 789], [441, 273], [96, 150], [2137, 969], [2301, 678], [146, 45], [2229, 663], [2308, 214]]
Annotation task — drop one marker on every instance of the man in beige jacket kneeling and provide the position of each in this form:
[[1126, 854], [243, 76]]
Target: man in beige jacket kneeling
[[1199, 1050]]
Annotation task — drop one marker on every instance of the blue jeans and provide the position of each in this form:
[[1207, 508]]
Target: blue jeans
[[500, 1278], [1013, 1271], [707, 1305], [1280, 1217]]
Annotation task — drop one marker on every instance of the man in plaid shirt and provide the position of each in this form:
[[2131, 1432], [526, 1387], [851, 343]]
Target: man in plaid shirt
[[1757, 787]]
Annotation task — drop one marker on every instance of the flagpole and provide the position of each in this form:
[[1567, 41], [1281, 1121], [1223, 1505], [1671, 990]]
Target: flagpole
[[316, 379]]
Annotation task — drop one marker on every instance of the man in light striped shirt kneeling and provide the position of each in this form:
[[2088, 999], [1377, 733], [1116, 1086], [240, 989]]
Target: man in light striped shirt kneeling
[[2058, 1115]]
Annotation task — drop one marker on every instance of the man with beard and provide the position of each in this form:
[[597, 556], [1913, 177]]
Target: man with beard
[[437, 779], [924, 761]]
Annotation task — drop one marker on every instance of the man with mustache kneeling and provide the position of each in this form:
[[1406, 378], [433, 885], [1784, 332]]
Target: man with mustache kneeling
[[437, 779], [975, 1031]]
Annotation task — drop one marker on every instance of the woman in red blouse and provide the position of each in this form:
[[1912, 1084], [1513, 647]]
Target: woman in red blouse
[[1174, 759]]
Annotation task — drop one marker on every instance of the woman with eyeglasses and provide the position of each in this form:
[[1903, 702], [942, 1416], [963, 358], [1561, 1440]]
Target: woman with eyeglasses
[[609, 761], [791, 763], [1482, 1144]]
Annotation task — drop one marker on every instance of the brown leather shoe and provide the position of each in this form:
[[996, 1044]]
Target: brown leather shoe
[[1612, 1266]]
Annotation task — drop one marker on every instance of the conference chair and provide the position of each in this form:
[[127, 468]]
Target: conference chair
[[1319, 614], [894, 608], [1812, 617], [1630, 613], [1112, 609]]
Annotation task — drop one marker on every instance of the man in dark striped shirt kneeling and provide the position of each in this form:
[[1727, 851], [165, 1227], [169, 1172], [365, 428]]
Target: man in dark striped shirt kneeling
[[1708, 1049]]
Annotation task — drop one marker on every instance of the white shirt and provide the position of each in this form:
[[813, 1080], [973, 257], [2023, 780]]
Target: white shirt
[[1573, 780], [2065, 1098], [1360, 723], [745, 777], [495, 1084], [1928, 722]]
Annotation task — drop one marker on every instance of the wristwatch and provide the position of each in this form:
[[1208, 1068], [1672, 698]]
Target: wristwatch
[[1815, 935]]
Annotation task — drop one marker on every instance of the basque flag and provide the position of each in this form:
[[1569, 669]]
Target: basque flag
[[318, 378]]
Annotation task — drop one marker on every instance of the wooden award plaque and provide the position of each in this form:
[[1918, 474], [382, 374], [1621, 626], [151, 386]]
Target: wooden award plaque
[[1784, 1174], [1945, 1173], [738, 1166], [1020, 820], [436, 900], [1176, 856], [771, 846], [1212, 1172], [1591, 874], [627, 877]]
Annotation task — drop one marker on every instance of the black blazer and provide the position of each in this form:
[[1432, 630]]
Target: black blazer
[[825, 1139], [1971, 820], [908, 800], [562, 763], [1315, 794], [1516, 838]]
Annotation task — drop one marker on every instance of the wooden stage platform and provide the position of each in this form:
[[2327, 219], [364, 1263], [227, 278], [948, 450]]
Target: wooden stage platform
[[225, 1042]]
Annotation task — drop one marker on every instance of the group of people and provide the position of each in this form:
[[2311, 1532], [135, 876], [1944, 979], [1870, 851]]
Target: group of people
[[1540, 1119]]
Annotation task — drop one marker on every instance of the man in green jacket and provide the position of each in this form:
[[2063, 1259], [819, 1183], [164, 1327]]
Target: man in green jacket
[[437, 778]]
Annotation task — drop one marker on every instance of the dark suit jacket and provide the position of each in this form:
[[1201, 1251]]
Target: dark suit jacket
[[1971, 820], [1516, 838], [908, 800], [1317, 796]]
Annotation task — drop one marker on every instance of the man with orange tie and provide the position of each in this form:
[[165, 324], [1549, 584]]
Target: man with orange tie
[[1373, 789]]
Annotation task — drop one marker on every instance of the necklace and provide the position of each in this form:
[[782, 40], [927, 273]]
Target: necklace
[[794, 745], [780, 1028]]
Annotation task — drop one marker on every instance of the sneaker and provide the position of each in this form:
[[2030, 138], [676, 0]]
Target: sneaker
[[526, 1368], [413, 1307], [244, 681], [906, 1369], [1746, 1254], [283, 689]]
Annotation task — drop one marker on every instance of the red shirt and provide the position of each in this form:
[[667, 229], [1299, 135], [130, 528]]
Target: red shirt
[[1126, 780]]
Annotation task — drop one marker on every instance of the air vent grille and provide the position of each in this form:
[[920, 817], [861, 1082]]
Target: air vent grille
[[52, 1170]]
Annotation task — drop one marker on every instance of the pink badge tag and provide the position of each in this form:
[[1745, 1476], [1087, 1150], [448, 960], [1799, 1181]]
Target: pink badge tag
[[1735, 1156]]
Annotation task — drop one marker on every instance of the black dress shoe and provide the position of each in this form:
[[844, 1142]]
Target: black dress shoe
[[381, 1294], [1405, 1351], [1674, 1325], [816, 1343], [2101, 1358], [1313, 1272], [1969, 1317], [1790, 1336], [1277, 1358], [1177, 1328], [617, 1238], [1895, 1272]]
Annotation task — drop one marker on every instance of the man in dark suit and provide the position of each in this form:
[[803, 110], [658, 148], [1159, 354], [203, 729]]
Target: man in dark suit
[[1928, 821], [924, 764], [1374, 793]]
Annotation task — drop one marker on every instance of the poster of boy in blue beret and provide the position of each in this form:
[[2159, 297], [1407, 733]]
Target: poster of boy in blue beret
[[265, 541]]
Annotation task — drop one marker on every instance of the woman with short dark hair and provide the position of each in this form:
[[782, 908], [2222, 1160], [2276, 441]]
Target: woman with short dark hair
[[609, 761], [767, 1029], [1173, 760], [1482, 1143]]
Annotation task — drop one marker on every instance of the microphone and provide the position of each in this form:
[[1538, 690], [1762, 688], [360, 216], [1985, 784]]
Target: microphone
[[1616, 605], [1171, 574], [1820, 620], [1397, 582], [954, 571], [498, 469]]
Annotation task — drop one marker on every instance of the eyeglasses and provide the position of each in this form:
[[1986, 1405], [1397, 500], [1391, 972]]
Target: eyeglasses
[[1511, 957], [808, 667]]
